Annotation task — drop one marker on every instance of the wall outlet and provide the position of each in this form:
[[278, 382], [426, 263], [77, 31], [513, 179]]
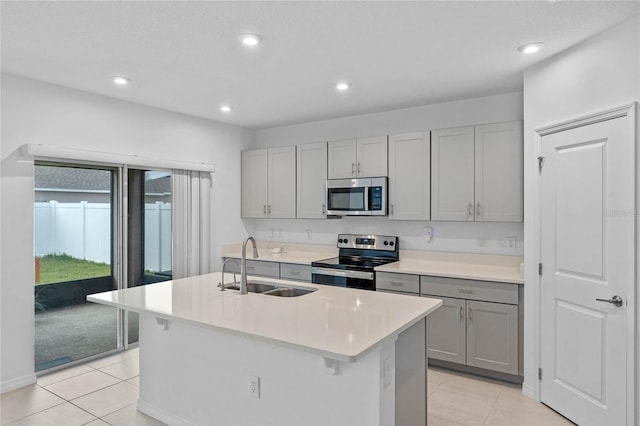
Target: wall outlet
[[428, 234], [254, 386], [511, 243], [309, 232]]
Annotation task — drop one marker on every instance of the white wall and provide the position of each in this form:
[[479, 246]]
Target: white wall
[[36, 112], [449, 236], [598, 74]]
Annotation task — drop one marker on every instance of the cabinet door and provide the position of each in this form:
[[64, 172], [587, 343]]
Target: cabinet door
[[311, 181], [282, 182], [342, 159], [254, 183], [492, 336], [452, 174], [409, 176], [371, 157], [446, 338], [499, 172]]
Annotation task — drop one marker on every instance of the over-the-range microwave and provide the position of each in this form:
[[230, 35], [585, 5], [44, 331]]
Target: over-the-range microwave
[[357, 197]]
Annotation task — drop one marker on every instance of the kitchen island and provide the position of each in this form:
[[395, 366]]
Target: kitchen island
[[332, 356]]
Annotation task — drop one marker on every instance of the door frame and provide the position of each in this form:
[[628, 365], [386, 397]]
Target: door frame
[[533, 386]]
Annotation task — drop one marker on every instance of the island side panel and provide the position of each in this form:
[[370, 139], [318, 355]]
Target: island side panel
[[411, 376], [191, 374]]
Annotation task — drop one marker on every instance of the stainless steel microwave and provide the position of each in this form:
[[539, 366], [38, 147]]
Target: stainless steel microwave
[[357, 197]]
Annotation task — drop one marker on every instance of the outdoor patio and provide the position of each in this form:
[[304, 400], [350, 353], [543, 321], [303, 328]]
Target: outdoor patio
[[75, 332]]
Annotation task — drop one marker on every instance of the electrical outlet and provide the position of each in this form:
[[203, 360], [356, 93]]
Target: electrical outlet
[[309, 232], [511, 243], [254, 386], [428, 234]]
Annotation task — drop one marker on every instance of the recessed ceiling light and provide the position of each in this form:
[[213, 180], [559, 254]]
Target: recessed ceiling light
[[342, 86], [531, 47], [121, 80], [225, 108], [250, 40]]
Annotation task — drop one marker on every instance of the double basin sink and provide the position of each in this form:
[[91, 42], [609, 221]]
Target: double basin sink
[[272, 290]]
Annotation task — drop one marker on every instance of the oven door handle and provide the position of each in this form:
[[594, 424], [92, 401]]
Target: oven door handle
[[342, 273]]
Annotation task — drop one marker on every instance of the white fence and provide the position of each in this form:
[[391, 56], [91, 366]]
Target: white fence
[[83, 230]]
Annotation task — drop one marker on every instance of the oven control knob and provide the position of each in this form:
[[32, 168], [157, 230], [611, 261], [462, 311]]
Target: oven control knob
[[391, 243], [386, 243], [340, 240], [346, 240]]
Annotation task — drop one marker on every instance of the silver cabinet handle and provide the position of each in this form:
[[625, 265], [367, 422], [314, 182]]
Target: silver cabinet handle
[[358, 168], [465, 291], [391, 208], [615, 300], [478, 210], [353, 169], [461, 310], [295, 273], [251, 268], [264, 209], [324, 208], [395, 284], [470, 209], [470, 315], [269, 208]]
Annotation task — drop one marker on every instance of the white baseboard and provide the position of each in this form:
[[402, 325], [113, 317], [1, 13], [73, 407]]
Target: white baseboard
[[527, 390], [161, 415], [18, 382]]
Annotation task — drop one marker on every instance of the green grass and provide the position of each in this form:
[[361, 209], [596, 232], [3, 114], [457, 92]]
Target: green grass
[[56, 268]]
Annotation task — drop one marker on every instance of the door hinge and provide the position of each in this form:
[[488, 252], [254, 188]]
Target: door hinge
[[540, 163], [539, 373], [539, 268]]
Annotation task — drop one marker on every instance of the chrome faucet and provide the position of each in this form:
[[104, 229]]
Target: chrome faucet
[[243, 263], [235, 281]]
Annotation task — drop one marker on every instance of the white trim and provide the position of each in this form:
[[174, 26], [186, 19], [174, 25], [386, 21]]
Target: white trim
[[160, 414], [18, 382], [57, 153], [630, 111]]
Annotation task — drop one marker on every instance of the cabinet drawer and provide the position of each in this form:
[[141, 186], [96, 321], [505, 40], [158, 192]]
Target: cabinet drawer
[[294, 271], [405, 283], [256, 267], [469, 289]]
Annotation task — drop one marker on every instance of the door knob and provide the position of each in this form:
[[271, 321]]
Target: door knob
[[615, 300]]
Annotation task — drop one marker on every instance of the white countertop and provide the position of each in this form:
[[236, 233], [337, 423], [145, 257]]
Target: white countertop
[[335, 322], [480, 267], [302, 254]]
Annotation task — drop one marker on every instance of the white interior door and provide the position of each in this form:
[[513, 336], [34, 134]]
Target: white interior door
[[587, 253]]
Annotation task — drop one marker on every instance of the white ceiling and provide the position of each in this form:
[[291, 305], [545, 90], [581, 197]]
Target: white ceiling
[[185, 56]]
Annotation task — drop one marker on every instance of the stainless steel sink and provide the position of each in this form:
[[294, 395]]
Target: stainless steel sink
[[272, 289], [256, 287], [288, 292]]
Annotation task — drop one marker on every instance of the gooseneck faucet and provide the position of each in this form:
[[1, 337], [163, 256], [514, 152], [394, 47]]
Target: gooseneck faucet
[[243, 263]]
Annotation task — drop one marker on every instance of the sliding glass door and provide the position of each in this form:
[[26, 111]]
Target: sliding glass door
[[149, 254], [74, 212], [96, 229]]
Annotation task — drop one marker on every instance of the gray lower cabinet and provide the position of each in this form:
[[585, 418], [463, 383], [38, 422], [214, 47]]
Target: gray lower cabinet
[[295, 271], [478, 328], [285, 271]]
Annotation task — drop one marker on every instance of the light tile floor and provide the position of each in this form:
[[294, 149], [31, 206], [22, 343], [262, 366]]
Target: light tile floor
[[105, 391]]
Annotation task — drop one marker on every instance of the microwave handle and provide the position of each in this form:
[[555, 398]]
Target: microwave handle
[[367, 194]]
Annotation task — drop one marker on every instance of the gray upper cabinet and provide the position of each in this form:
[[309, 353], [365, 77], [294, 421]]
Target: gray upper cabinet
[[499, 172], [452, 179], [311, 180], [410, 176], [362, 157], [269, 183], [477, 173]]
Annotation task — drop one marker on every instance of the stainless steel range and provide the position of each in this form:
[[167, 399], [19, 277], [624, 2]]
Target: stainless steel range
[[357, 257]]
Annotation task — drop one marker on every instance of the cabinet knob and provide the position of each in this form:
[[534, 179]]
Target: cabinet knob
[[358, 169], [324, 208], [353, 169], [264, 209], [470, 315], [461, 310], [470, 209], [478, 210]]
